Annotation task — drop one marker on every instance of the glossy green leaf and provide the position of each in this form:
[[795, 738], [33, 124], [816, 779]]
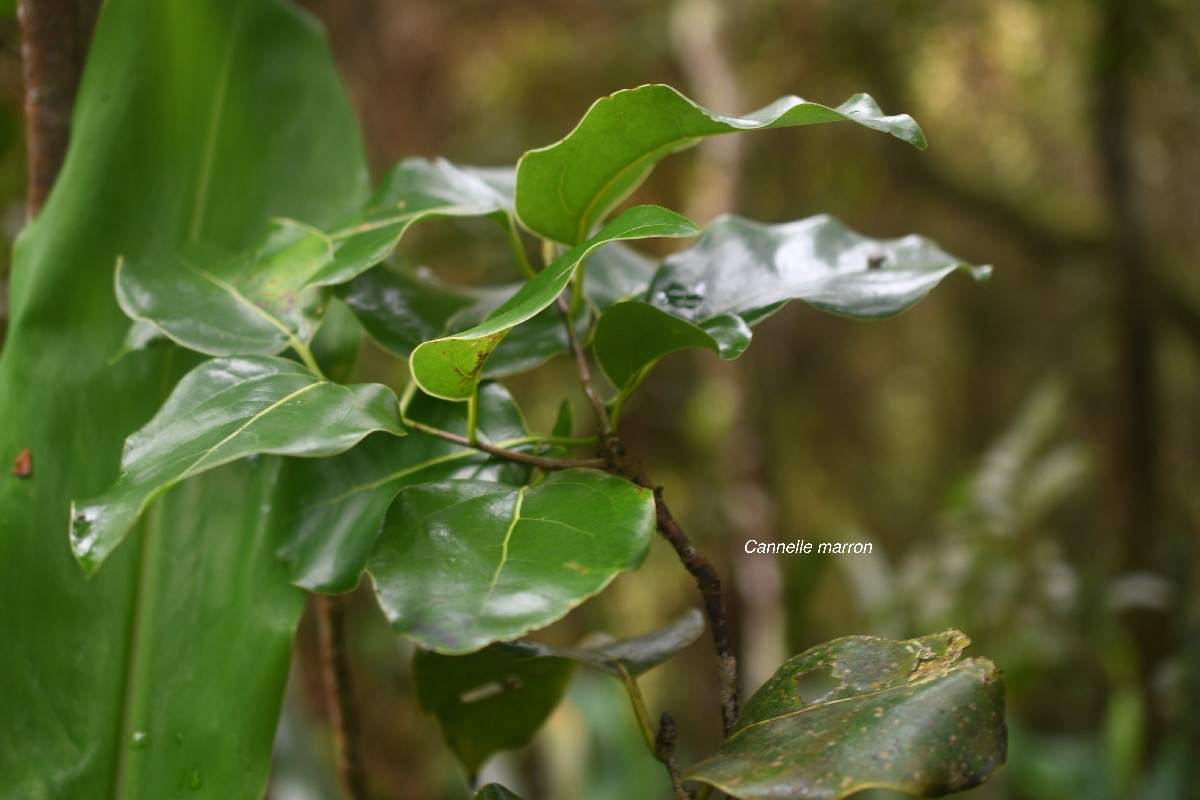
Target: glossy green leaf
[[630, 337], [166, 671], [223, 410], [751, 269], [635, 656], [340, 501], [212, 301], [272, 296], [565, 190], [403, 308], [617, 272], [865, 712], [462, 564], [489, 701], [494, 791], [416, 189], [451, 366]]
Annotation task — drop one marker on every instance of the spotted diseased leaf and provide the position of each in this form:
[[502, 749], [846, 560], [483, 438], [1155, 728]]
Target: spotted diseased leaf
[[907, 715], [402, 308], [450, 367], [465, 563], [566, 189]]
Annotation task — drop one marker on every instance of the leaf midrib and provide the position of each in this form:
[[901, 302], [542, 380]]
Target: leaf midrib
[[138, 612]]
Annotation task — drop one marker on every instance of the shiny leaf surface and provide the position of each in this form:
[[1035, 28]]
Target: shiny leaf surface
[[416, 189], [462, 564], [865, 712], [402, 308], [751, 269], [630, 337], [565, 190], [212, 301], [489, 701], [223, 410], [340, 501], [636, 656], [166, 671], [260, 301], [451, 366]]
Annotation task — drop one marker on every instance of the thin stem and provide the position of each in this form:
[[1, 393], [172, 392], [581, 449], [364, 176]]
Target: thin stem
[[709, 583], [339, 699], [585, 373], [306, 356], [511, 455], [639, 706], [662, 744], [514, 239], [473, 417], [664, 750]]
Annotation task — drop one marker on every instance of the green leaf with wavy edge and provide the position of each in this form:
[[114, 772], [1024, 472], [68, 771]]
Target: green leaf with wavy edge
[[630, 338], [489, 701], [863, 712], [564, 190], [223, 410], [340, 502], [169, 666], [416, 189], [451, 366], [209, 300], [751, 269], [274, 295], [402, 308], [635, 656], [463, 564]]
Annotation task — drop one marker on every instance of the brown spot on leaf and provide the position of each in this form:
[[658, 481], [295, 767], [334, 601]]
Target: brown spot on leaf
[[23, 465]]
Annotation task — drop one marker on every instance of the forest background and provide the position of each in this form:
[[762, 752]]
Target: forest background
[[1023, 455]]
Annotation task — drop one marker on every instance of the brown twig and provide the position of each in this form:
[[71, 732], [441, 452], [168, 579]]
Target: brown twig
[[339, 699], [585, 373], [709, 583], [664, 749], [540, 462], [52, 59]]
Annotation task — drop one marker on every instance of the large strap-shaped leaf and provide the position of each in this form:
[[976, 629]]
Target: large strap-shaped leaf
[[223, 410], [913, 716], [165, 671], [462, 564], [566, 189], [274, 295], [750, 269], [340, 502], [450, 367]]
